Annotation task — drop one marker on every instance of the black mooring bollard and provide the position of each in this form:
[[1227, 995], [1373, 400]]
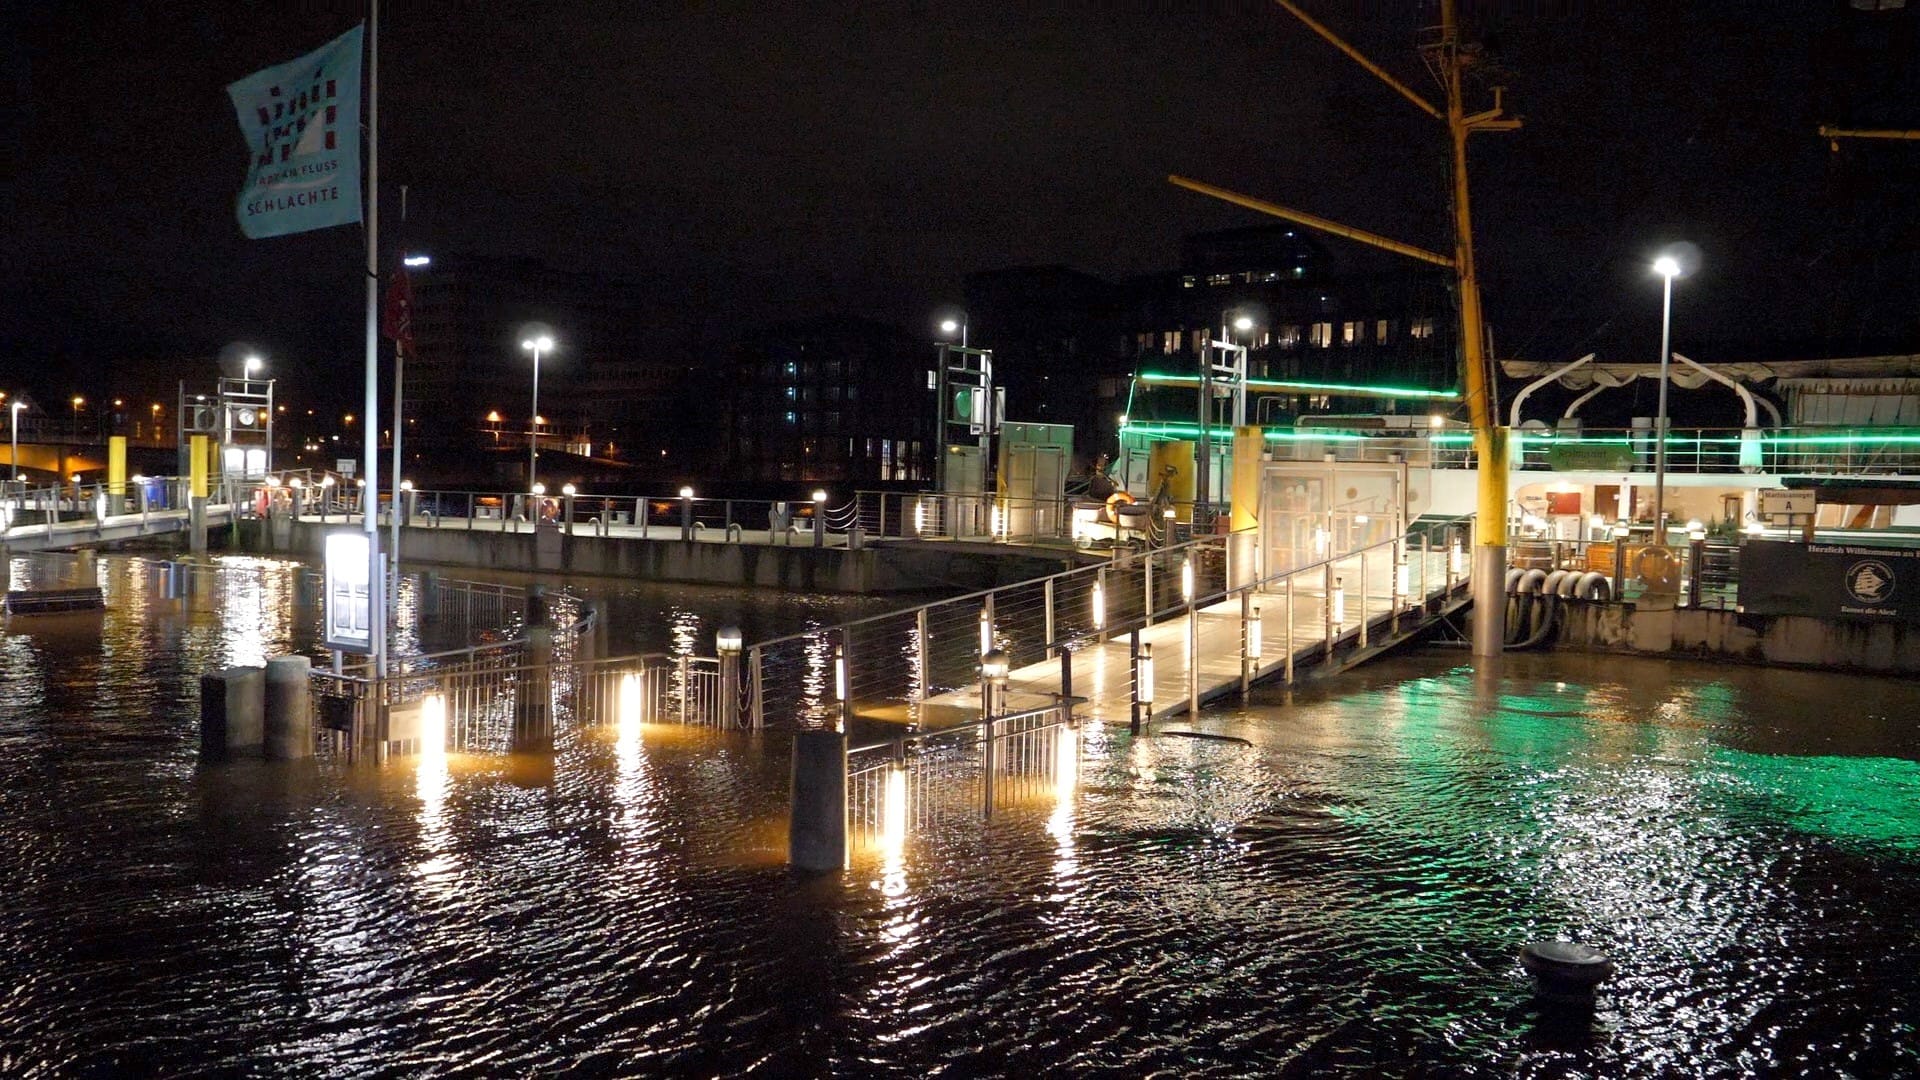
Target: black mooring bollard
[[1565, 971]]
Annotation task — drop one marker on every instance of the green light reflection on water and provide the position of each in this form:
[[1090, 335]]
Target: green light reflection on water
[[1874, 800]]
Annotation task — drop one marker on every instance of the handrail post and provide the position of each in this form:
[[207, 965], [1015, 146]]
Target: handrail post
[[1146, 618], [846, 673], [1289, 642], [1426, 552], [1133, 682], [686, 712], [1048, 588], [1193, 660], [1327, 607], [1363, 599], [1246, 642], [753, 672], [920, 653], [1100, 604]]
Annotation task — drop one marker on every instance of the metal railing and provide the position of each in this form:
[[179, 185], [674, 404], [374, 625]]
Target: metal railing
[[906, 657], [1807, 449], [924, 779], [646, 517]]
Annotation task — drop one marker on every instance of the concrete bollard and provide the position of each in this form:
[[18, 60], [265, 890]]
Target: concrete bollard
[[232, 712], [533, 693], [817, 826], [289, 718]]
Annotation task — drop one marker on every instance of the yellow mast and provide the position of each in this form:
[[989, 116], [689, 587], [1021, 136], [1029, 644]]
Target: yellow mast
[[1489, 438]]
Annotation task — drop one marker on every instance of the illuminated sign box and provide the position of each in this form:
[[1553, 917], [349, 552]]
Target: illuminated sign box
[[349, 607]]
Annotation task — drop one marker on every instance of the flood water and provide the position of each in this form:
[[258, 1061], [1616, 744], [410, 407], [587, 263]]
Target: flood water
[[1340, 893]]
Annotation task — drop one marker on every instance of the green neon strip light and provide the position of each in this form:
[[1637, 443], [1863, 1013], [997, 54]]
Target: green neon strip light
[[1177, 429], [1307, 387]]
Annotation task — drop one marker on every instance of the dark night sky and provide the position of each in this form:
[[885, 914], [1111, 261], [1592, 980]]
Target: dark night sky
[[748, 161]]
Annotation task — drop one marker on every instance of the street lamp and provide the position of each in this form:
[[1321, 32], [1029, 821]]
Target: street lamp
[[1668, 268], [252, 365], [1243, 324], [536, 346], [951, 327], [13, 458]]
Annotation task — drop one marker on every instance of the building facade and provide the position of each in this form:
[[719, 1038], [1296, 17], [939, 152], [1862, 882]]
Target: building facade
[[1068, 345], [834, 399]]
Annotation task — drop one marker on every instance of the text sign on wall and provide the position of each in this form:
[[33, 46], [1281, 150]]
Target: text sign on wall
[[349, 606], [1843, 581]]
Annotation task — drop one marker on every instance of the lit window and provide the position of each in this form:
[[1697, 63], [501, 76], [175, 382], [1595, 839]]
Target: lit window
[[1170, 342], [1199, 341], [1420, 329], [1320, 335], [1219, 279], [1289, 337], [1188, 282], [1349, 333], [1380, 332]]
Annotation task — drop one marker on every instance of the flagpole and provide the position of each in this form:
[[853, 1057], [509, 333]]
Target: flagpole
[[399, 426], [370, 410]]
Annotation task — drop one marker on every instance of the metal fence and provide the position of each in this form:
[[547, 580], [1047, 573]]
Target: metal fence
[[924, 780], [894, 663], [649, 517]]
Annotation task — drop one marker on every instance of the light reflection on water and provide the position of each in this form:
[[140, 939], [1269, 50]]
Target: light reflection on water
[[1342, 896]]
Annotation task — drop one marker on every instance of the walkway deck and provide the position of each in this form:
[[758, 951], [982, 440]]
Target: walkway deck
[[1102, 674], [114, 528]]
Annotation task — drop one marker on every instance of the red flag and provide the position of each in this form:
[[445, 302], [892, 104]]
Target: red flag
[[397, 320]]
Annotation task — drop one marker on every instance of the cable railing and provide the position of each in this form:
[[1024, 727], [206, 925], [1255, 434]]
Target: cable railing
[[896, 662], [921, 780], [1805, 449], [577, 513]]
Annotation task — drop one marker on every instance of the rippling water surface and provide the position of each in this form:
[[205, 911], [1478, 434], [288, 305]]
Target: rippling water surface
[[1341, 893]]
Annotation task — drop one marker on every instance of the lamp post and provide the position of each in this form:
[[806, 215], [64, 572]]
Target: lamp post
[[727, 643], [13, 458], [1668, 268], [536, 346], [819, 519], [951, 327]]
